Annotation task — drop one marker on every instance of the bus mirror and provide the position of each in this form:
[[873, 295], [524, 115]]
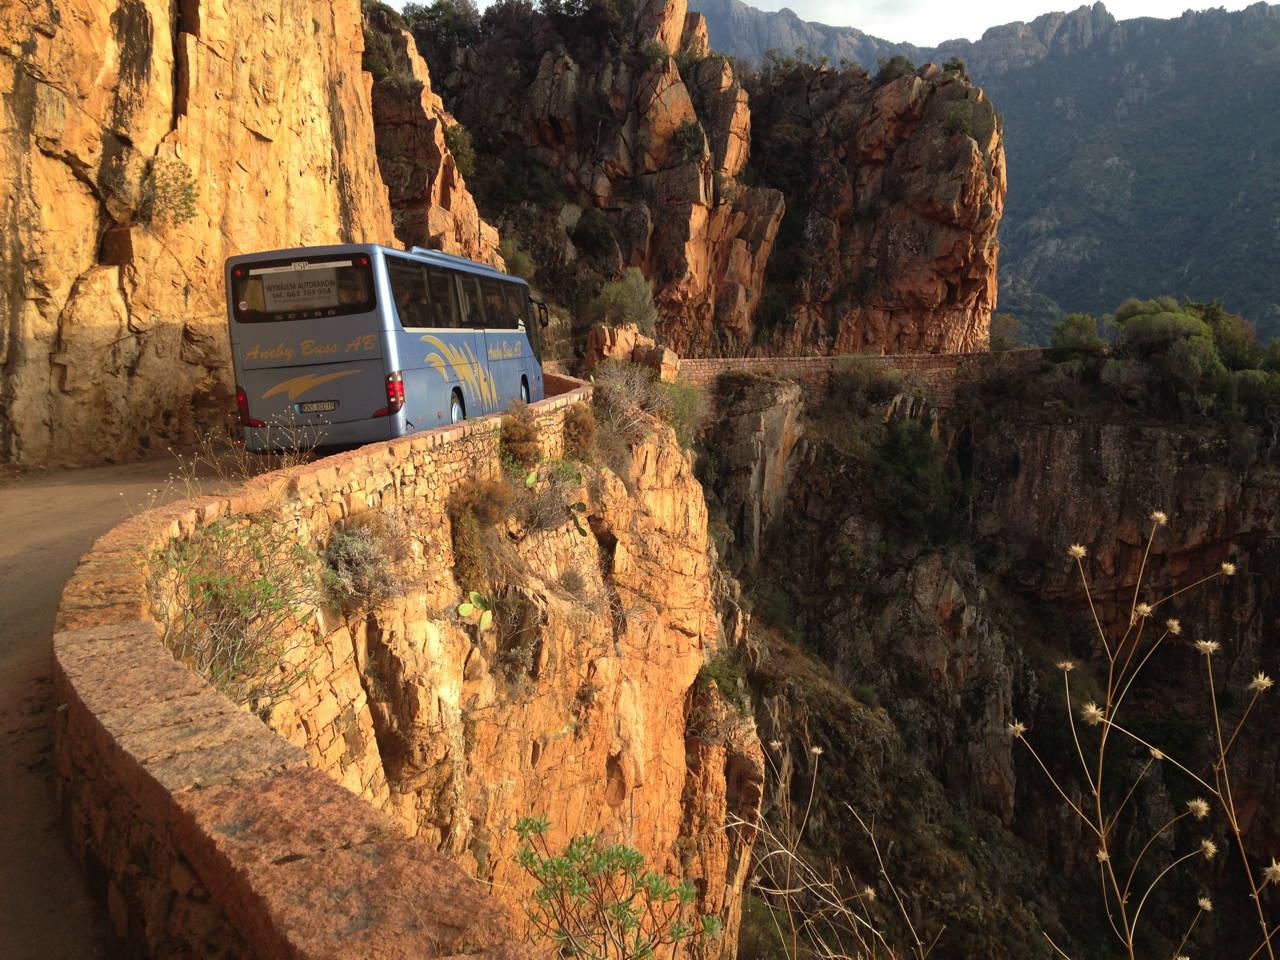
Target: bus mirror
[[544, 316]]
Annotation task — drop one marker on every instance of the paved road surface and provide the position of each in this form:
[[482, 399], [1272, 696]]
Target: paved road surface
[[47, 520]]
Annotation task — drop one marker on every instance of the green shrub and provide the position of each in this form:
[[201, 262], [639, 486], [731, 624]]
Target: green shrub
[[592, 234], [1006, 333], [653, 53], [727, 671], [440, 28], [912, 490], [685, 409], [859, 384], [1077, 333], [892, 69], [366, 559], [519, 263], [959, 120], [520, 438], [628, 300], [772, 311], [229, 598], [458, 139], [168, 193], [596, 900], [689, 141]]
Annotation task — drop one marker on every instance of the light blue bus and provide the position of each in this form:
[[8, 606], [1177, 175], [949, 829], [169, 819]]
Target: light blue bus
[[350, 344]]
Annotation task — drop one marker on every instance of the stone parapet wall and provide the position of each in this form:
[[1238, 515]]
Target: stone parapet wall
[[206, 833], [938, 374]]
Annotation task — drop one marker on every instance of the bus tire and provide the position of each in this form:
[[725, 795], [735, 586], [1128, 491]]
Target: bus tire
[[524, 389], [457, 409]]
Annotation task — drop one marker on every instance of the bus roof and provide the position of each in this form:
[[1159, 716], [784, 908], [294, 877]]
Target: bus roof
[[437, 257]]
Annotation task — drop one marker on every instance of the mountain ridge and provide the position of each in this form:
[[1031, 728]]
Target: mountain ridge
[[1115, 188]]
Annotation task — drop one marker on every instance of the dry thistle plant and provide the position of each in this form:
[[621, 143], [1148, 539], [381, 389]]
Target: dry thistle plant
[[821, 911], [1129, 881]]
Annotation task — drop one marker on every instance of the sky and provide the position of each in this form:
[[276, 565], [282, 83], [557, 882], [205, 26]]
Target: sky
[[929, 22]]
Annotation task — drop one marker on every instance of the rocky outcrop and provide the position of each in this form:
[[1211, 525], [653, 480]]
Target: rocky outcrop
[[430, 203], [625, 343], [892, 242], [142, 145], [652, 136]]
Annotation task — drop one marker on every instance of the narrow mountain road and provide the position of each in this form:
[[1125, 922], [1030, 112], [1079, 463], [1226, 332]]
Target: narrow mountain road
[[47, 520]]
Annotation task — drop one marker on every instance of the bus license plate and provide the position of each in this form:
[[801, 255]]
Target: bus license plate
[[318, 406]]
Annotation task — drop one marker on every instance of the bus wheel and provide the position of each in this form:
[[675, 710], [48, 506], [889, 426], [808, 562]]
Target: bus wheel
[[457, 412], [524, 390]]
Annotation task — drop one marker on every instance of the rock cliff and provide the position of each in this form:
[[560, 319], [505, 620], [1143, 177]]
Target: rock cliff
[[630, 146], [895, 190], [906, 654], [658, 154], [583, 704], [430, 203], [142, 143]]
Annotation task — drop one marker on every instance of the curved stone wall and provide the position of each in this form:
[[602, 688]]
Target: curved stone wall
[[206, 833]]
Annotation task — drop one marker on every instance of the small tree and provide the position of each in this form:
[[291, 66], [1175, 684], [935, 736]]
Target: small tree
[[458, 139], [629, 300], [1077, 333], [597, 901], [1006, 333]]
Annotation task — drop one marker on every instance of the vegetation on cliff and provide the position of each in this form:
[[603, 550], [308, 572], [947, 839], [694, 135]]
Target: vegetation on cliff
[[907, 649]]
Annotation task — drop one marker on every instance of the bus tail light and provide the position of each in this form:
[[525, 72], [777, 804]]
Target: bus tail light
[[395, 396], [242, 407]]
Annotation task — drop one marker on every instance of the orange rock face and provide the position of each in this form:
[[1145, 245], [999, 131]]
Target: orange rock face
[[138, 150], [656, 142], [894, 247], [254, 124], [430, 203]]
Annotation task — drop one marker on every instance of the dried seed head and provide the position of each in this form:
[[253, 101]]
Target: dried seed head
[[1208, 647], [1173, 626], [1092, 714], [1159, 518], [1198, 808], [1102, 855], [775, 744], [1261, 683], [816, 750], [1066, 666], [1208, 848], [868, 893], [1077, 550], [1157, 754], [1142, 610], [1016, 729], [1271, 873], [1205, 904], [1228, 569]]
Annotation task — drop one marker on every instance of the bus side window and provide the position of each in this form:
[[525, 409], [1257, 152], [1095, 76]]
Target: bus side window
[[495, 306], [408, 289], [472, 306], [516, 301], [444, 300]]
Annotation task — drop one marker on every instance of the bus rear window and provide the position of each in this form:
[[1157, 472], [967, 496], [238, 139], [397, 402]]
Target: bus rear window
[[301, 289]]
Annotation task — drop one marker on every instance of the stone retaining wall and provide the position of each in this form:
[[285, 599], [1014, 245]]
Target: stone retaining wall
[[206, 833], [939, 374]]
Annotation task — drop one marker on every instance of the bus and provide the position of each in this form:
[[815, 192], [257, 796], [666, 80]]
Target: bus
[[349, 344]]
